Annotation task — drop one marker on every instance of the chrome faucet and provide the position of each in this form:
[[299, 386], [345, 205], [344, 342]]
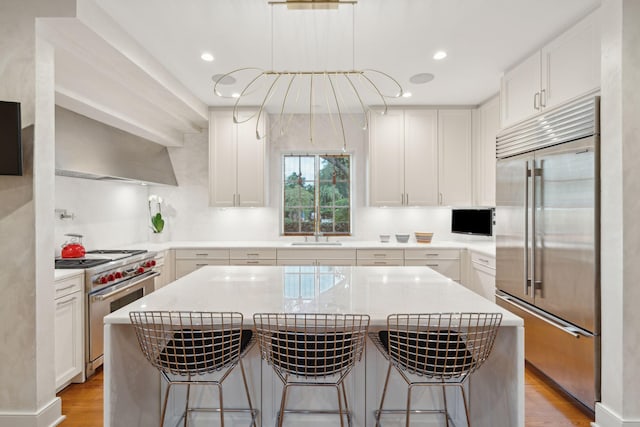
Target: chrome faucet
[[317, 235]]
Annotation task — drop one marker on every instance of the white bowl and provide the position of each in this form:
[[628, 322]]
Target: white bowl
[[384, 238], [402, 238]]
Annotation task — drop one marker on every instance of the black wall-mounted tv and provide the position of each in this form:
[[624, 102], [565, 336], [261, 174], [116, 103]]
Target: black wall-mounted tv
[[472, 221], [10, 138]]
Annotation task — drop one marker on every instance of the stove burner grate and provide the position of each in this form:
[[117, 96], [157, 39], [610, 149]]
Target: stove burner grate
[[80, 263]]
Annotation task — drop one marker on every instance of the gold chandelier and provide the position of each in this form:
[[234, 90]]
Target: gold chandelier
[[341, 91]]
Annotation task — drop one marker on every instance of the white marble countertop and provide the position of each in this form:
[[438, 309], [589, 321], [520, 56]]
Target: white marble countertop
[[484, 247], [377, 291]]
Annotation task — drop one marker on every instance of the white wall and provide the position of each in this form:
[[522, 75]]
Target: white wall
[[107, 214], [189, 216]]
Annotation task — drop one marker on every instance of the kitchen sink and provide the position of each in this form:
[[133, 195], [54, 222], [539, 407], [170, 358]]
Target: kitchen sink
[[316, 243]]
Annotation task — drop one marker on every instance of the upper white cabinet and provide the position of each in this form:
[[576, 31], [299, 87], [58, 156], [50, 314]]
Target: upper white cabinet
[[561, 70], [486, 122], [454, 149], [403, 156], [236, 162]]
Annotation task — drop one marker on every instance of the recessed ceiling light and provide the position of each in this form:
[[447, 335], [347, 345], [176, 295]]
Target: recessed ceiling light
[[206, 56], [406, 94], [226, 80], [421, 78], [441, 54]]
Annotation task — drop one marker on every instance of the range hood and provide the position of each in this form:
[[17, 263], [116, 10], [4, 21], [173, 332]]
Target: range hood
[[86, 148]]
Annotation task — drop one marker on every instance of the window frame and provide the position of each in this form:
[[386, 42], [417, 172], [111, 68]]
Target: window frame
[[316, 181]]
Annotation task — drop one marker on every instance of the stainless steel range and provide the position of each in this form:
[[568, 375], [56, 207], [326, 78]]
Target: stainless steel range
[[113, 279]]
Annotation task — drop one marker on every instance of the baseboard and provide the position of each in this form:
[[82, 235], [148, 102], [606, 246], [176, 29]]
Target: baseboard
[[607, 418], [50, 415]]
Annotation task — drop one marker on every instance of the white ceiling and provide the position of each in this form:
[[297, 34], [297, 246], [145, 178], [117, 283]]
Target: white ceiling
[[399, 37]]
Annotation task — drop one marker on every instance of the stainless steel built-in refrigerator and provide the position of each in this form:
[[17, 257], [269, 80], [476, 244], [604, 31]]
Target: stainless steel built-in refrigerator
[[547, 241]]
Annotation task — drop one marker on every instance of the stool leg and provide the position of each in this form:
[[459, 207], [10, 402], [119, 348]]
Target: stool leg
[[446, 410], [466, 407], [384, 392], [285, 388], [409, 390], [164, 404], [221, 405], [339, 406], [186, 404], [346, 403], [246, 389]]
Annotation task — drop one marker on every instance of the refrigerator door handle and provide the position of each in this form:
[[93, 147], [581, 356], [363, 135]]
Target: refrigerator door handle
[[527, 278], [533, 227], [571, 330]]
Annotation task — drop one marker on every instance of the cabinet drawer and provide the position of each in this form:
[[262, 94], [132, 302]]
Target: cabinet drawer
[[250, 253], [202, 253], [380, 262], [431, 254], [316, 254], [446, 267], [380, 254], [252, 262], [68, 285], [485, 260], [186, 266]]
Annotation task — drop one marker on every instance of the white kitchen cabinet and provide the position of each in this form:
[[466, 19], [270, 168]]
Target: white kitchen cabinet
[[252, 256], [304, 256], [403, 158], [164, 266], [565, 68], [483, 275], [188, 260], [444, 261], [236, 162], [380, 257], [486, 123], [454, 152], [69, 331]]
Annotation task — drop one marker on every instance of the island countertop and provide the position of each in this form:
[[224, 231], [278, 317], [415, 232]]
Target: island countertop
[[377, 291]]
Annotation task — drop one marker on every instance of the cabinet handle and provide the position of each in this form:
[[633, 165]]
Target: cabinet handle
[[402, 199], [380, 255], [255, 254], [486, 261], [543, 98], [432, 265], [66, 301], [253, 262], [202, 254], [536, 100], [380, 263], [201, 265], [234, 199], [238, 199], [407, 199], [65, 288], [432, 254], [440, 198]]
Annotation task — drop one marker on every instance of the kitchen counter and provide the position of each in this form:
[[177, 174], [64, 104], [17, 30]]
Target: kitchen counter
[[132, 386]]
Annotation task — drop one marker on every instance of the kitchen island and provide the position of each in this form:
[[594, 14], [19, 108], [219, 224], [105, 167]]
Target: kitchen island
[[133, 388]]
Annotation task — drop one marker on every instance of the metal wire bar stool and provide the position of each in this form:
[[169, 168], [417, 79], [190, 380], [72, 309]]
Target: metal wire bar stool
[[193, 344], [438, 350], [312, 350]]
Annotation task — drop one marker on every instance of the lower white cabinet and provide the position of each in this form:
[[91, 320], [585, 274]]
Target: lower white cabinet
[[444, 261], [69, 331], [316, 256], [380, 257], [164, 266], [252, 256], [188, 260], [483, 276]]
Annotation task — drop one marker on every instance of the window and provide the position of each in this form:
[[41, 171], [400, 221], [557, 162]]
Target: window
[[317, 194]]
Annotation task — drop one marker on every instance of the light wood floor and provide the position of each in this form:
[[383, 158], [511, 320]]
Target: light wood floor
[[544, 405]]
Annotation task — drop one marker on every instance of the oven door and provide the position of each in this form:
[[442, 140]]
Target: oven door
[[106, 301]]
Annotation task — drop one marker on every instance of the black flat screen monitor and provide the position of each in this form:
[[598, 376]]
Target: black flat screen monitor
[[10, 139], [472, 221]]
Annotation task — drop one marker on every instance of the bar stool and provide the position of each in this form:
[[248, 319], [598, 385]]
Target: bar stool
[[435, 350], [312, 350], [193, 344]]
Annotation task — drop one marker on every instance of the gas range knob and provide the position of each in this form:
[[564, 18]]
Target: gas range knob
[[147, 264], [140, 270], [152, 262], [118, 275], [111, 278], [102, 280]]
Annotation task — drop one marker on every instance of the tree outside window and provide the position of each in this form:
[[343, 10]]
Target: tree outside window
[[317, 194]]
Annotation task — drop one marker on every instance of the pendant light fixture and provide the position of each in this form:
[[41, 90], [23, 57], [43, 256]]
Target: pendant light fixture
[[342, 92]]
